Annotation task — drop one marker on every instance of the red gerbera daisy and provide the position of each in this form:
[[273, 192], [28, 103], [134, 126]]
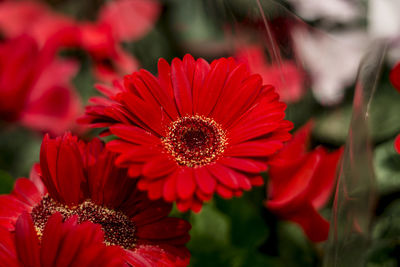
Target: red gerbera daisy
[[80, 179], [301, 182], [62, 244], [197, 129]]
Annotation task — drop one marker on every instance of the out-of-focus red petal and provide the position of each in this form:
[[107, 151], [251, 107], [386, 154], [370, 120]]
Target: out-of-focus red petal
[[130, 19], [397, 144], [395, 76], [164, 229]]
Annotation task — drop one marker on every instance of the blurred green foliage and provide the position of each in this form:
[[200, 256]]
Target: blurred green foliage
[[332, 125]]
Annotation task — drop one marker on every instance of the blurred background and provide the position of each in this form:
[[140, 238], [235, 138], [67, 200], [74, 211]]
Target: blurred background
[[53, 52]]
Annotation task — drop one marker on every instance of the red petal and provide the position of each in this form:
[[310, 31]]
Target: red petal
[[152, 213], [129, 20], [26, 191], [322, 184], [170, 187], [155, 189], [201, 71], [224, 175], [189, 66], [70, 171], [245, 165], [395, 76], [292, 188], [159, 166], [185, 183], [204, 180], [243, 100], [224, 192], [164, 76], [182, 90], [397, 144], [254, 149], [133, 134], [8, 255], [164, 229], [184, 205], [212, 87], [162, 96], [26, 241], [52, 236]]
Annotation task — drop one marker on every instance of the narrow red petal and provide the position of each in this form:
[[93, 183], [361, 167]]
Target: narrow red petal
[[182, 90], [158, 166], [26, 241], [204, 180], [185, 183], [224, 175]]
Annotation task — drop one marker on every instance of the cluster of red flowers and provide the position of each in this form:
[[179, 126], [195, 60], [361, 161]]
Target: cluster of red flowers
[[194, 130], [35, 87], [43, 98]]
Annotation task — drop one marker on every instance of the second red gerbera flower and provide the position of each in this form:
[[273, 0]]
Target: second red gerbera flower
[[79, 179], [196, 129]]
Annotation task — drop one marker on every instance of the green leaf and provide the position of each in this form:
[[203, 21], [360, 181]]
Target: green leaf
[[6, 182], [384, 120], [387, 168], [210, 237], [385, 245], [210, 225], [247, 225]]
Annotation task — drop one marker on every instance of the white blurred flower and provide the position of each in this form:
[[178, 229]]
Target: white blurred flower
[[384, 22], [332, 10], [331, 59]]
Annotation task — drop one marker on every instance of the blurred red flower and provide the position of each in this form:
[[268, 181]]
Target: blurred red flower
[[196, 129], [287, 77], [35, 87], [119, 20], [62, 244], [395, 80], [301, 182], [397, 144], [75, 178], [395, 76], [129, 19]]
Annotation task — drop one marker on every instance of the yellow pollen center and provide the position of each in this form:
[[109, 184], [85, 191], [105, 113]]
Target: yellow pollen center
[[118, 228], [195, 140]]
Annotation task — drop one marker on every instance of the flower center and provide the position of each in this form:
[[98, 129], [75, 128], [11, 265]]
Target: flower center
[[195, 140], [118, 229]]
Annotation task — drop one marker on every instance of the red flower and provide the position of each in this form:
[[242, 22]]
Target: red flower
[[35, 88], [129, 19], [62, 244], [197, 129], [301, 182], [119, 20], [286, 77], [397, 144], [81, 180], [395, 76]]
